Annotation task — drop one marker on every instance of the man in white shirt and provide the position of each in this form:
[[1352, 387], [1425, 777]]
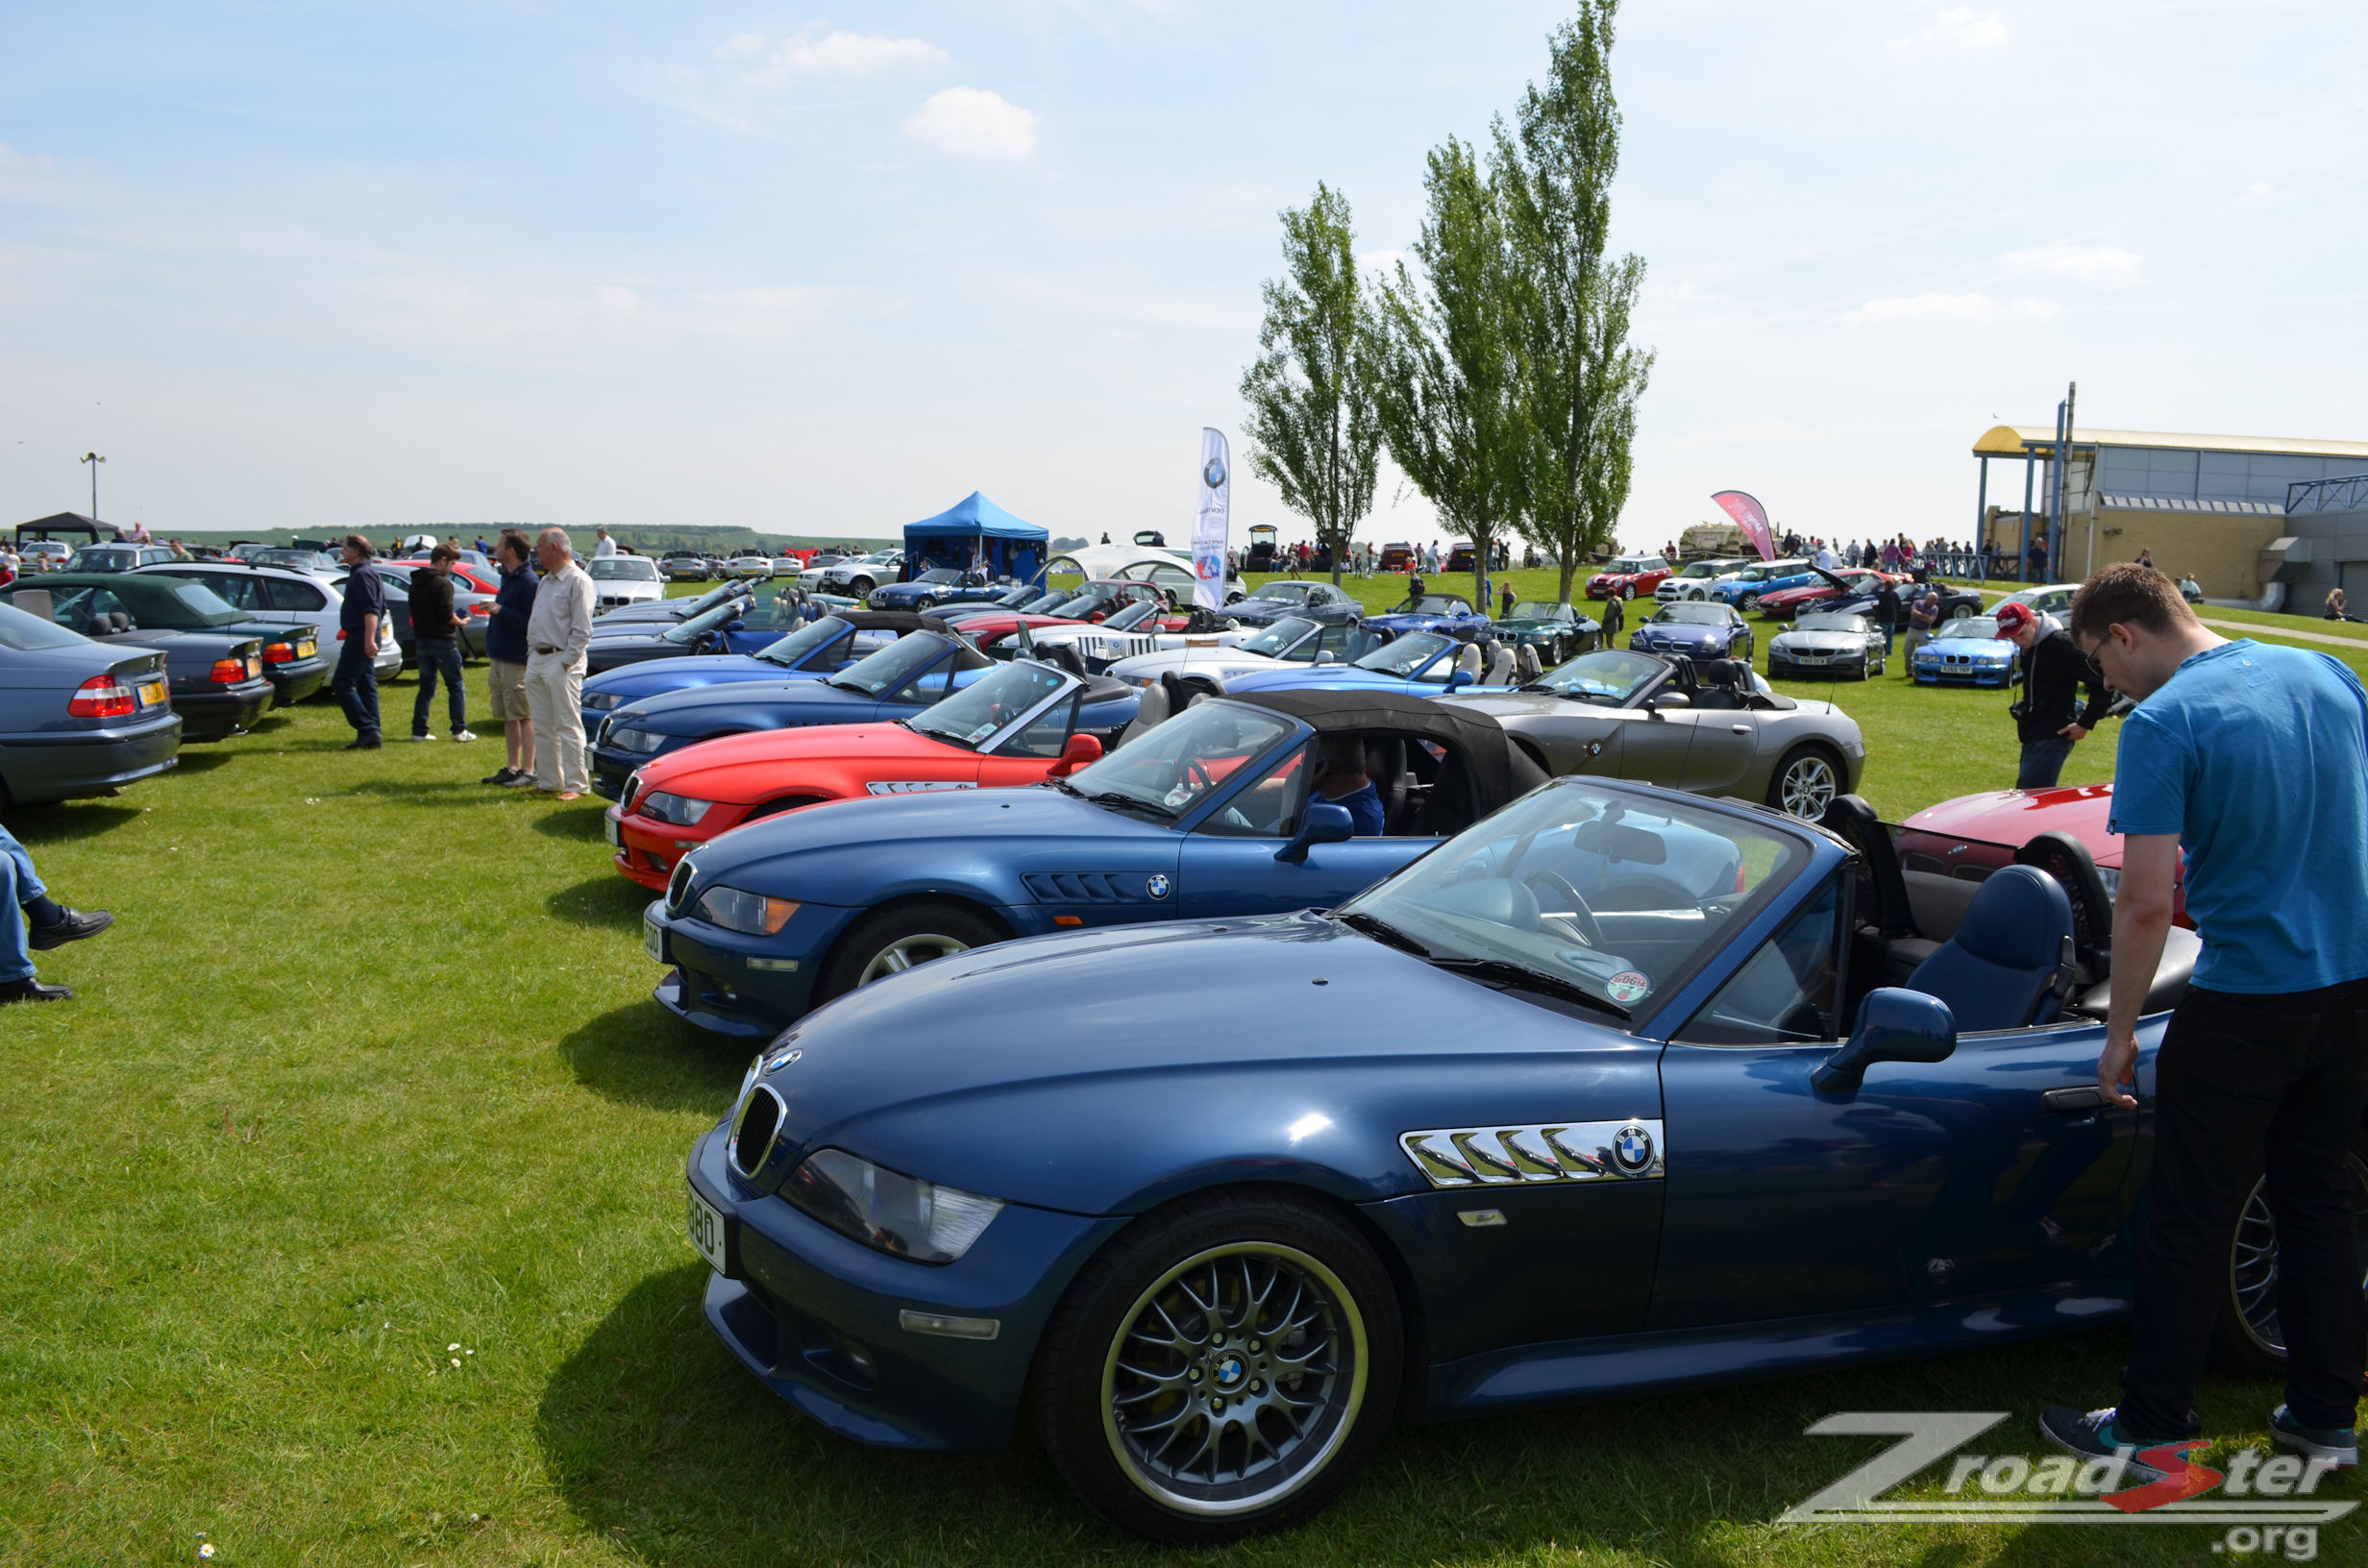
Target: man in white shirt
[[558, 635], [1825, 556], [606, 546]]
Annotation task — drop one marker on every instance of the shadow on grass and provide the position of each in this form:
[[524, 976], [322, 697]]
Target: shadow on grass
[[424, 792], [66, 820], [641, 1054], [607, 903], [206, 761], [574, 821]]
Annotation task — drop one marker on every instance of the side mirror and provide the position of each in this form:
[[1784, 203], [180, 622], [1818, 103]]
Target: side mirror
[[1460, 677], [1323, 655], [1078, 751], [1323, 823], [1667, 699], [735, 625], [1097, 618], [1895, 1025]]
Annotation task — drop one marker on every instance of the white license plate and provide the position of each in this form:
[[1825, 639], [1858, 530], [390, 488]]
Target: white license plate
[[652, 935], [705, 1224], [616, 833], [1808, 658]]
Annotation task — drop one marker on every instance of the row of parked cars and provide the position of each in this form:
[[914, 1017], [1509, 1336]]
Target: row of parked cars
[[991, 915]]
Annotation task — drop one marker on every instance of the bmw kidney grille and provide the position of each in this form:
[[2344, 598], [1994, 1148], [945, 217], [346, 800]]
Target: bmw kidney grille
[[754, 1129], [679, 887]]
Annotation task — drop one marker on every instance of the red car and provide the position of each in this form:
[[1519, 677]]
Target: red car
[[1787, 602], [1979, 833], [1628, 577], [1020, 725], [1095, 601]]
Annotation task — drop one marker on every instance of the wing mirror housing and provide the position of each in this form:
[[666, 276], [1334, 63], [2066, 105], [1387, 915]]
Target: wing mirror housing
[[1895, 1025], [1459, 678], [736, 625], [1076, 753], [1323, 823], [1323, 655]]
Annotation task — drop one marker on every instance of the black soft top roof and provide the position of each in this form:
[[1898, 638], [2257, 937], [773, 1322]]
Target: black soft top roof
[[1500, 770], [896, 621]]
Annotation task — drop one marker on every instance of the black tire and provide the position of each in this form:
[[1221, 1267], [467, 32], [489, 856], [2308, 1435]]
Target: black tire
[[1747, 603], [917, 931], [1807, 795], [860, 588], [2247, 1341], [924, 602], [1219, 1258], [1627, 590]]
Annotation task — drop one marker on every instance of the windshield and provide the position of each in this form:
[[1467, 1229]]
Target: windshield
[[1165, 771], [1608, 677], [1433, 605], [203, 599], [1639, 563], [892, 665], [1693, 614], [814, 635], [1131, 617], [1079, 607], [1290, 593], [1276, 638], [698, 626], [1834, 622], [1043, 604], [1703, 569], [970, 716], [1540, 609], [106, 558], [1982, 627], [1610, 895], [24, 632], [1408, 654], [940, 574], [623, 569]]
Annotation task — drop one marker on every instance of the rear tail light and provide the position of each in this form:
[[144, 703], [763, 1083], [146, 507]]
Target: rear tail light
[[229, 672], [279, 653], [103, 697], [481, 609]]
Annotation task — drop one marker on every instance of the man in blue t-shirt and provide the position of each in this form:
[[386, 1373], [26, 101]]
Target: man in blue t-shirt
[[2253, 761], [1341, 779]]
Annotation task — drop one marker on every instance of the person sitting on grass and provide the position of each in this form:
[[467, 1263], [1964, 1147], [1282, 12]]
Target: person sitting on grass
[[52, 923]]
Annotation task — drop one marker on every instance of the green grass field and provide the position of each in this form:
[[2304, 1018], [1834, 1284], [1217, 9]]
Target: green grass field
[[343, 1218]]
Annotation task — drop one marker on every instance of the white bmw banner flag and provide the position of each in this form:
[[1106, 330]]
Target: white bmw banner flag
[[1210, 527]]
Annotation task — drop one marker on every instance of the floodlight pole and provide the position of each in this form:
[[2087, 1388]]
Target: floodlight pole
[[95, 460]]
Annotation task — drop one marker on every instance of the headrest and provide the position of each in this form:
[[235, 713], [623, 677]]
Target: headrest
[[1526, 664], [1153, 709], [2019, 920], [1468, 661]]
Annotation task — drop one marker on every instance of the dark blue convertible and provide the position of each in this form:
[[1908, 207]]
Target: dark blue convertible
[[815, 650], [900, 680], [1617, 1091], [1206, 814], [939, 585]]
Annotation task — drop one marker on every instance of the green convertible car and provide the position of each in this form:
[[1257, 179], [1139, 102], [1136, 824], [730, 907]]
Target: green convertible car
[[1555, 627]]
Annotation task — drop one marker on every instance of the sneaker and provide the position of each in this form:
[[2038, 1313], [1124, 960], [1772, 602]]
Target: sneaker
[[2092, 1437], [500, 775], [518, 781], [464, 735], [2340, 1444], [419, 736]]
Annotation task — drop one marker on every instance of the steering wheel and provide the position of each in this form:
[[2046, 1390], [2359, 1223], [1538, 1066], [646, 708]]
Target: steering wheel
[[1198, 775], [1553, 883]]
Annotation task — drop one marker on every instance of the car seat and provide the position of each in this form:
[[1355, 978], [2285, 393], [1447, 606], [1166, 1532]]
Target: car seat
[[2012, 964], [1451, 807], [2069, 861], [1467, 660], [1500, 668], [1721, 683], [1526, 664], [1384, 764], [1150, 714]]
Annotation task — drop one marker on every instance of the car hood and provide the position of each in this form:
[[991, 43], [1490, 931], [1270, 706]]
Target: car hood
[[742, 767], [1221, 663], [1421, 620], [689, 712], [1818, 642], [1961, 645], [692, 670], [770, 847], [1683, 635], [1106, 1036], [2013, 817]]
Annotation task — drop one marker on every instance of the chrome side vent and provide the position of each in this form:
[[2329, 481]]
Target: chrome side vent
[[1551, 1152]]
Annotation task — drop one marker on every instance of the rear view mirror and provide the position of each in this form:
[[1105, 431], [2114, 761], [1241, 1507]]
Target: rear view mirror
[[1619, 842], [1323, 823], [1895, 1025], [1079, 751]]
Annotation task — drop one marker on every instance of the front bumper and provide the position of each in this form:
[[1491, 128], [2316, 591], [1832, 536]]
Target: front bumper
[[1931, 674], [802, 1295], [647, 852], [730, 983], [45, 766], [1834, 664]]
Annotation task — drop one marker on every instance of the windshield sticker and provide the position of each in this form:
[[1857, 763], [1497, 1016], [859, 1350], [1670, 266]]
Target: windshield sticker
[[1174, 798], [1628, 988]]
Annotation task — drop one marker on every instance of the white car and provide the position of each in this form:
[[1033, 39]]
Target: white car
[[618, 580], [2048, 599], [1693, 580], [282, 596], [749, 566], [858, 575], [1205, 664], [1125, 635]]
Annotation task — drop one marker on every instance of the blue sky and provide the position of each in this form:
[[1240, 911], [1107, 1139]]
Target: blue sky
[[825, 271]]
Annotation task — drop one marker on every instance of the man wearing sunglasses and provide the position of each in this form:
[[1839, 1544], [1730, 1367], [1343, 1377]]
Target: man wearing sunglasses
[[2048, 720], [2252, 761]]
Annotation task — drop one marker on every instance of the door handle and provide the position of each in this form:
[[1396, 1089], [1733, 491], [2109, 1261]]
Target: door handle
[[2069, 1101], [1740, 729]]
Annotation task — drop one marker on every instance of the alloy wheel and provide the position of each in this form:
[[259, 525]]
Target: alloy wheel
[[1234, 1379], [2253, 1263], [1808, 787], [904, 953]]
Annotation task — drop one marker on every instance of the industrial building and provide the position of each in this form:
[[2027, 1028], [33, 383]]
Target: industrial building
[[2215, 507]]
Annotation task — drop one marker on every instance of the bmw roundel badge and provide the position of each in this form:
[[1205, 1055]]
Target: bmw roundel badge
[[1155, 888], [1214, 473], [1632, 1150]]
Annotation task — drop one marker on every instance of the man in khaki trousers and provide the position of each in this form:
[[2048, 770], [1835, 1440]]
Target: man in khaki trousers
[[558, 634]]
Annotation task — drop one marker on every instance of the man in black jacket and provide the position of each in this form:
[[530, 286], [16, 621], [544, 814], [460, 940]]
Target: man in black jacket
[[436, 629], [2048, 720]]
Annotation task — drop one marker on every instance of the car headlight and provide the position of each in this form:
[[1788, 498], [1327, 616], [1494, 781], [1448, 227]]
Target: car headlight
[[640, 741], [751, 912], [679, 809], [602, 700], [900, 1214]]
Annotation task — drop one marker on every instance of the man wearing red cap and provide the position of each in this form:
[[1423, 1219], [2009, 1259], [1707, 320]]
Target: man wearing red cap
[[2048, 720]]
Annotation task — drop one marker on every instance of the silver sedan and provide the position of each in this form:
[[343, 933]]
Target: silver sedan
[[1710, 728]]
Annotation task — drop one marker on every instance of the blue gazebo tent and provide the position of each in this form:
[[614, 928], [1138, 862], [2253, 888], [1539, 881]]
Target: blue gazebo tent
[[974, 532]]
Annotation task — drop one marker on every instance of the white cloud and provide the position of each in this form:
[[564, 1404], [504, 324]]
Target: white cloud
[[740, 43], [971, 122], [1960, 31], [2089, 263], [845, 53], [1953, 307]]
